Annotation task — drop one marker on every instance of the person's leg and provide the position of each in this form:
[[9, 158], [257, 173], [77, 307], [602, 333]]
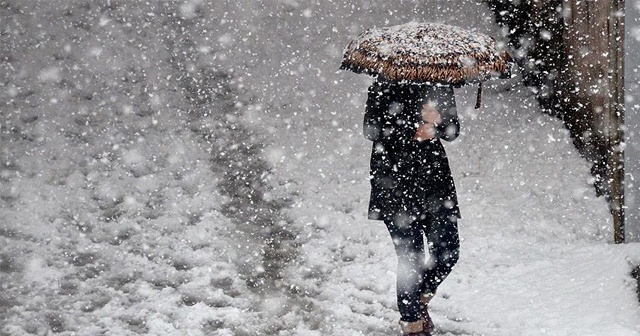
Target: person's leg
[[444, 248], [408, 242]]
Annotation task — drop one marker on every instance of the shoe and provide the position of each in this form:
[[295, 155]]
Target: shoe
[[413, 328], [428, 325]]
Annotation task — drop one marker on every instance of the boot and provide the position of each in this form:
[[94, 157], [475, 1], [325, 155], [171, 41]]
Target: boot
[[428, 327], [413, 328]]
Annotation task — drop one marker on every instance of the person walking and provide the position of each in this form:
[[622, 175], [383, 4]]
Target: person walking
[[412, 190]]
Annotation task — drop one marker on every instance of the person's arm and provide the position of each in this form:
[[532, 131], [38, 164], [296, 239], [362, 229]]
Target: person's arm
[[374, 113], [439, 117], [449, 127]]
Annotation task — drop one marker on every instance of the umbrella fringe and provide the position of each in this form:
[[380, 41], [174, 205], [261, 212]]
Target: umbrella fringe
[[449, 69]]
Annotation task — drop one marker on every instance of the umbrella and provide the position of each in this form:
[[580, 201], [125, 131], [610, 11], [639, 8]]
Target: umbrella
[[427, 53]]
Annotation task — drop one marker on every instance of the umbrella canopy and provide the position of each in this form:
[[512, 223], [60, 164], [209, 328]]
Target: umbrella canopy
[[427, 53]]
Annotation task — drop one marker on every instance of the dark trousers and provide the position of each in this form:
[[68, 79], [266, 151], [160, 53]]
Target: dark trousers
[[416, 275]]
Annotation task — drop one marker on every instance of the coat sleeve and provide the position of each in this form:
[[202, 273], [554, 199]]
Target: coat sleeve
[[449, 128], [374, 113]]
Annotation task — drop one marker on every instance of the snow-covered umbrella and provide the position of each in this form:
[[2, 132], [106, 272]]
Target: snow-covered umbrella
[[427, 53]]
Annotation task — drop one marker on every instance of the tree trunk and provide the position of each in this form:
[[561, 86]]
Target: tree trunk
[[593, 89]]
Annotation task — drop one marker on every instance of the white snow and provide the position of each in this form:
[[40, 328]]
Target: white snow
[[424, 40], [114, 217]]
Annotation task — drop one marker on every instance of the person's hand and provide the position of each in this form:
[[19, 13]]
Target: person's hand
[[425, 131], [430, 114], [427, 128]]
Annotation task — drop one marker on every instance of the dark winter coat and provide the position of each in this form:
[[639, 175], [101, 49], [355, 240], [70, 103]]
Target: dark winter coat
[[409, 179]]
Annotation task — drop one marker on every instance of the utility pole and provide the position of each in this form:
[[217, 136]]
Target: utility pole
[[616, 119]]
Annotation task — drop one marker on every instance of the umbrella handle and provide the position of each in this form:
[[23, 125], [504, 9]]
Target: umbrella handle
[[479, 96]]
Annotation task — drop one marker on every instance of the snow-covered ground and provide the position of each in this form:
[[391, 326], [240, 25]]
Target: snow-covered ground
[[145, 191]]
